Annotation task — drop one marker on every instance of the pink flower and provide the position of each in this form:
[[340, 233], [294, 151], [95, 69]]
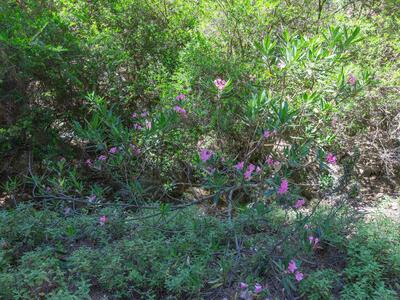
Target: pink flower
[[205, 155], [330, 158], [247, 175], [89, 162], [284, 187], [292, 266], [269, 160], [313, 241], [180, 111], [258, 169], [181, 97], [299, 203], [113, 150], [136, 151], [148, 124], [103, 220], [137, 126], [220, 83], [351, 79], [48, 189], [134, 115], [281, 64], [299, 276], [102, 157], [243, 285], [258, 288], [249, 171], [144, 114], [251, 168], [239, 166], [267, 133]]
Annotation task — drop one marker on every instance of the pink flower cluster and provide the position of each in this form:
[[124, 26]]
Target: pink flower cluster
[[103, 220], [249, 170], [102, 158], [205, 154], [258, 288], [220, 83], [292, 269], [239, 166], [138, 126], [143, 114], [331, 158], [267, 133], [113, 150], [351, 79], [299, 203], [89, 162], [313, 241], [147, 124], [181, 111], [181, 97], [271, 162], [136, 150], [284, 187]]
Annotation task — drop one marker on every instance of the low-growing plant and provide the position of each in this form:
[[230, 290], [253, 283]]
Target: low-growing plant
[[319, 285], [372, 267]]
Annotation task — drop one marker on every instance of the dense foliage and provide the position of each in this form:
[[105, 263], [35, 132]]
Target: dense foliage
[[183, 255], [178, 149]]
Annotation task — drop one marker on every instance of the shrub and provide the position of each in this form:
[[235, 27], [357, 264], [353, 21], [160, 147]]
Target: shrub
[[372, 254], [319, 285]]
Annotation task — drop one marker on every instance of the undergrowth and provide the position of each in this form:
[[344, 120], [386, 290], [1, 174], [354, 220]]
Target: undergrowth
[[186, 254]]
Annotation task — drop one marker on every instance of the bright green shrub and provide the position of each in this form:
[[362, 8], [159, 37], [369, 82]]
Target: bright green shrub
[[371, 271], [319, 284], [39, 273]]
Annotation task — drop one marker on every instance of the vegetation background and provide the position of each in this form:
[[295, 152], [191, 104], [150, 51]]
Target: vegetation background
[[209, 149]]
